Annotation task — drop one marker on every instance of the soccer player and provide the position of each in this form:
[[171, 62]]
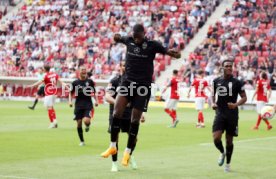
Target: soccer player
[[226, 88], [83, 89], [40, 92], [263, 92], [171, 104], [200, 84], [50, 81], [125, 122], [135, 85]]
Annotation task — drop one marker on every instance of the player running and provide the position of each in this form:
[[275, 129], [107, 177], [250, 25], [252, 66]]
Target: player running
[[171, 104], [263, 92], [40, 93], [83, 89], [135, 85], [226, 88], [125, 122], [50, 81], [200, 84]]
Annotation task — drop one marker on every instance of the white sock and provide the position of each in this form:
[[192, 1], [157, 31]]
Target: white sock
[[128, 150], [55, 121], [113, 144]]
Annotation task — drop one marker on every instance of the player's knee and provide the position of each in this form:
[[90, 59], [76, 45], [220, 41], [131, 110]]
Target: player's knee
[[117, 114], [135, 120], [229, 142]]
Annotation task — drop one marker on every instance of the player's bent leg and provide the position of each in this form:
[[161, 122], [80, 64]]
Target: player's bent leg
[[87, 122], [217, 135], [133, 132]]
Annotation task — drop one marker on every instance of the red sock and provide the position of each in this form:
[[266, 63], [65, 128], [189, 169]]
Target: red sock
[[173, 115], [198, 118], [201, 117], [259, 120], [266, 121], [50, 115], [168, 111], [54, 114]]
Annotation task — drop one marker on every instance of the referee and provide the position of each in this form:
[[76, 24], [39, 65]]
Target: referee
[[83, 89], [226, 88]]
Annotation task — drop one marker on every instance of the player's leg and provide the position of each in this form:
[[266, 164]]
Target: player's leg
[[80, 131], [167, 108], [50, 101], [199, 107], [87, 118], [114, 167], [174, 114], [259, 107], [269, 126], [229, 151], [133, 132], [119, 107], [35, 102], [217, 135], [132, 159]]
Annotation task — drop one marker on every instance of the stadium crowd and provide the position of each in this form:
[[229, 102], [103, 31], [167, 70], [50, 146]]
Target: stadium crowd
[[68, 34], [247, 35]]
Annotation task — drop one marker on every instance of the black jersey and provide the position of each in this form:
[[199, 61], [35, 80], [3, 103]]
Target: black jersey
[[83, 90], [114, 84], [227, 91], [139, 59]]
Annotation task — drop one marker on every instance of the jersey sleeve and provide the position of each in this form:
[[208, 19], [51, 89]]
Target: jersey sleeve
[[124, 40], [159, 48], [240, 87], [205, 83], [73, 87], [112, 86], [92, 84], [194, 83], [268, 86]]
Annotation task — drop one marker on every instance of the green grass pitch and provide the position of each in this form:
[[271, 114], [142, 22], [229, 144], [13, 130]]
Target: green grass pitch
[[30, 150]]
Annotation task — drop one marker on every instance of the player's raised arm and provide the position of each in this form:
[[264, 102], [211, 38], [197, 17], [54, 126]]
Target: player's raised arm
[[174, 53], [120, 39]]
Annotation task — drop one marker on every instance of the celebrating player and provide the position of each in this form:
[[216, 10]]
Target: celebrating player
[[135, 86], [171, 104], [50, 81], [227, 88], [83, 88], [40, 92], [125, 122], [199, 84], [263, 91]]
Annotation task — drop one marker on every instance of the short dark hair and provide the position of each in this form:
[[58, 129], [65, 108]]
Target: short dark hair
[[47, 68], [264, 75], [200, 72], [138, 28], [175, 72], [225, 61]]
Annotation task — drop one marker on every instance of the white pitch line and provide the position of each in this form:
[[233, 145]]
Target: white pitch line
[[245, 140], [5, 176]]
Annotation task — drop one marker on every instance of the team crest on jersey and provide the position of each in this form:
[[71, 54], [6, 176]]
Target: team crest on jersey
[[136, 50], [145, 45], [86, 84]]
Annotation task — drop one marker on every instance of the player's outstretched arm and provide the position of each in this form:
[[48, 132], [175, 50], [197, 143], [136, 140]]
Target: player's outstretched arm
[[36, 84], [174, 53]]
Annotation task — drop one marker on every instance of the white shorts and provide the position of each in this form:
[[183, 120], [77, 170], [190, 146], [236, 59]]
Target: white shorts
[[259, 106], [199, 102], [171, 104], [49, 100]]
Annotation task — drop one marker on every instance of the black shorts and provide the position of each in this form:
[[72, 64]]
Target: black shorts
[[41, 91], [137, 94], [226, 120], [81, 113]]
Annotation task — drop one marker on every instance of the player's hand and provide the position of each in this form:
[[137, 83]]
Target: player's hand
[[70, 105], [143, 119], [128, 105], [214, 106], [232, 105], [188, 96], [96, 104]]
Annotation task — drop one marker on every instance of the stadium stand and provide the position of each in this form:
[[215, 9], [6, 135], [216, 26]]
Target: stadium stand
[[68, 34], [247, 35]]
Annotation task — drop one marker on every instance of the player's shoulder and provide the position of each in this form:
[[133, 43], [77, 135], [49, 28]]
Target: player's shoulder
[[115, 80], [217, 79]]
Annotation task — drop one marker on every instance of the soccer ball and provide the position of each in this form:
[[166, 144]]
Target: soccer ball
[[267, 112]]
